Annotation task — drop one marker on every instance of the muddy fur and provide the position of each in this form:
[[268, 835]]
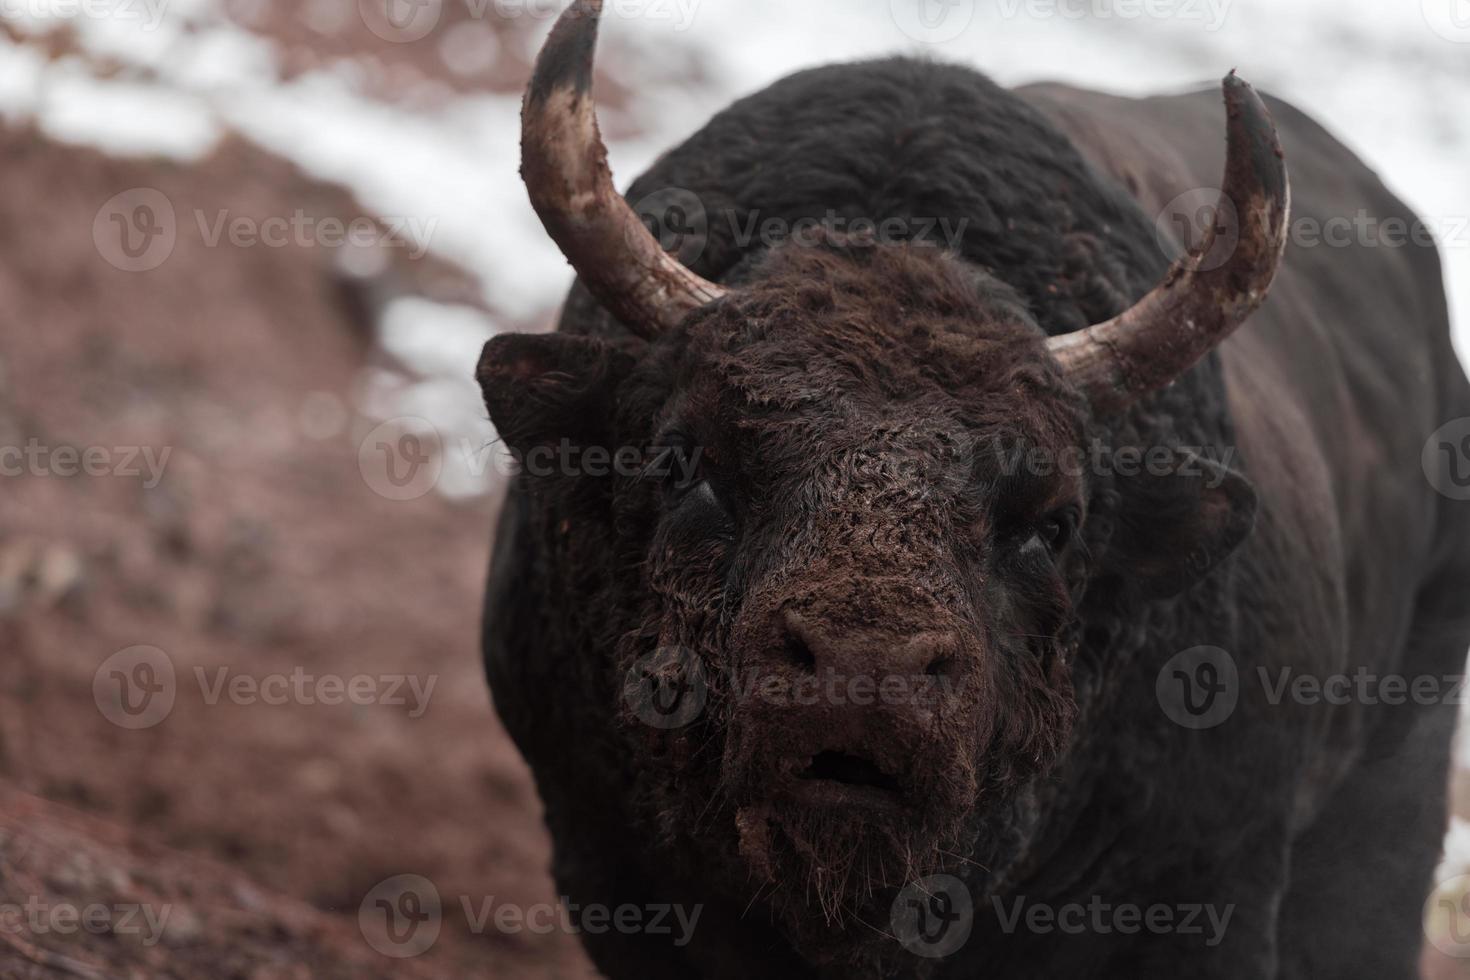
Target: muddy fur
[[854, 405], [879, 536]]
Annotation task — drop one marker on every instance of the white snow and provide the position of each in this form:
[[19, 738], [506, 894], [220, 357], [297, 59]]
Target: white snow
[[1392, 80]]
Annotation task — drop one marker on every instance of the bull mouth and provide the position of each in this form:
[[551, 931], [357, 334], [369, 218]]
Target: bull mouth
[[841, 778]]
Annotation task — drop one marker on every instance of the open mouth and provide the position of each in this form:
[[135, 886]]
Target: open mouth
[[840, 777]]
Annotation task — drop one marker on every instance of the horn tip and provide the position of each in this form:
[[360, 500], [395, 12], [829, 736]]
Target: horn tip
[[565, 61], [1251, 128]]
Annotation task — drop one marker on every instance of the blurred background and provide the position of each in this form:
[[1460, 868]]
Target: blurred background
[[249, 251]]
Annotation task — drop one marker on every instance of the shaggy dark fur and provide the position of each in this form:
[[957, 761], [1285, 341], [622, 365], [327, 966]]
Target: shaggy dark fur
[[858, 409]]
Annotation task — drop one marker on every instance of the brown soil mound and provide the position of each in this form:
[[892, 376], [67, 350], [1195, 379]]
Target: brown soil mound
[[264, 553]]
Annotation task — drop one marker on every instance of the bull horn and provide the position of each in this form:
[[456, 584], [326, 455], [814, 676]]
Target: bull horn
[[564, 165], [1202, 300]]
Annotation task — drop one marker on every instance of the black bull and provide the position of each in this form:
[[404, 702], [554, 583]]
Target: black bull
[[1312, 823]]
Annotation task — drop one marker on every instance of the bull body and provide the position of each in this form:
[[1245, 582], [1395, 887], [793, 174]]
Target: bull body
[[1315, 825]]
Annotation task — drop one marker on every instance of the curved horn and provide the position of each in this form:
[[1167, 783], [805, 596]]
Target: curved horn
[[1202, 300], [564, 165]]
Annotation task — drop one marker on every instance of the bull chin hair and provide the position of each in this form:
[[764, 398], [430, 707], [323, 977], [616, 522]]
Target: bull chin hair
[[848, 864]]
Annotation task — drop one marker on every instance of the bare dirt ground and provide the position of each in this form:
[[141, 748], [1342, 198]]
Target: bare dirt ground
[[263, 551]]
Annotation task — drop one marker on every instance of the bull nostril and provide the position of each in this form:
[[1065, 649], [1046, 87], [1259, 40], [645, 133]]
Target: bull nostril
[[943, 666], [798, 652], [797, 647]]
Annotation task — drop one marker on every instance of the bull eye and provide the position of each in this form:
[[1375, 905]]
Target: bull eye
[[703, 494], [697, 520], [1035, 545], [679, 467], [699, 513], [1052, 534], [695, 487], [697, 500], [1057, 529]]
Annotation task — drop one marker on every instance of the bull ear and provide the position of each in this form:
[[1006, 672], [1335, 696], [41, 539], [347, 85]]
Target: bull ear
[[1176, 526], [542, 388]]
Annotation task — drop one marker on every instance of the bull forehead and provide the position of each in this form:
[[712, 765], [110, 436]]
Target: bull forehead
[[905, 429], [818, 430], [899, 460], [893, 322], [875, 494], [888, 365]]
